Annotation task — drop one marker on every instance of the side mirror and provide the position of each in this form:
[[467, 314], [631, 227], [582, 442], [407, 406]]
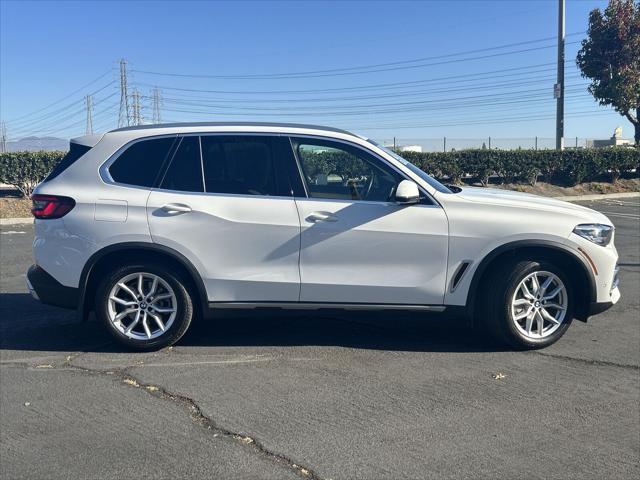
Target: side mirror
[[407, 193]]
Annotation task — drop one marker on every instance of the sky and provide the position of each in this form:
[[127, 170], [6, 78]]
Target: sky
[[415, 70]]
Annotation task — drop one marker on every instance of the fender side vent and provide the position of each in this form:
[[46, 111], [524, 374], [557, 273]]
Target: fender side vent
[[459, 274]]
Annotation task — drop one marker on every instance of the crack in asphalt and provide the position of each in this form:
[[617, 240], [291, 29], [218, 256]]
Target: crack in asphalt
[[598, 363], [123, 376]]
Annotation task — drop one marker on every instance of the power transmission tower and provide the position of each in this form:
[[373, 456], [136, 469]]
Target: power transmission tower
[[136, 110], [559, 87], [89, 106], [124, 117], [3, 137], [156, 106]]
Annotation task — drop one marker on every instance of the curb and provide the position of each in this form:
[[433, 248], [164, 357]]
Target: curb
[[574, 198], [16, 221], [598, 196]]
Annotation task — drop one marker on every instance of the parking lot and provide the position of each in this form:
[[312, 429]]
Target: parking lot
[[323, 395]]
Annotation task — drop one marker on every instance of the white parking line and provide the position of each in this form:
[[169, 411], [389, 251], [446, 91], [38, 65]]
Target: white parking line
[[623, 215]]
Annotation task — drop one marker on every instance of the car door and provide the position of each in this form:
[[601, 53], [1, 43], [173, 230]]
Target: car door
[[357, 245], [225, 205]]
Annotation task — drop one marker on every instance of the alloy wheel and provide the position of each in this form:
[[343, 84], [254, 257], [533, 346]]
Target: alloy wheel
[[539, 305], [142, 306]]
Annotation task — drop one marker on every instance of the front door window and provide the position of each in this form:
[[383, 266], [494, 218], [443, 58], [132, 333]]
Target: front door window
[[344, 172]]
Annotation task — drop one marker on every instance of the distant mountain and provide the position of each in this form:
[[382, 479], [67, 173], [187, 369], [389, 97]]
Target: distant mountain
[[38, 143]]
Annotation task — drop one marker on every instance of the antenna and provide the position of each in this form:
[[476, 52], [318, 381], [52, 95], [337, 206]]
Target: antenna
[[123, 116]]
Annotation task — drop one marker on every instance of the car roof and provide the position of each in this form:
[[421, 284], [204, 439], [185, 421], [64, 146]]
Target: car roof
[[261, 125]]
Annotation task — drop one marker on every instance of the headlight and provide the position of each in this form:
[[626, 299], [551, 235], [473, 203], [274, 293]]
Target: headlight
[[595, 232]]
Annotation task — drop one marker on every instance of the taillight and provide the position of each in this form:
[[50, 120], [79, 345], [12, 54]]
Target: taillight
[[51, 206]]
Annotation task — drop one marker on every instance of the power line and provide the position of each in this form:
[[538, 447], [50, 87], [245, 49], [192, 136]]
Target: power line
[[49, 115], [63, 98], [39, 126], [363, 69], [298, 109], [382, 86], [442, 105], [410, 93], [111, 108]]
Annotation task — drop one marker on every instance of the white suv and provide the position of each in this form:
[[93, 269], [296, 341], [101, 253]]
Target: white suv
[[150, 226]]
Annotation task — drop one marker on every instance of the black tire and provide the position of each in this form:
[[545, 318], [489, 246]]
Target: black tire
[[495, 307], [183, 301]]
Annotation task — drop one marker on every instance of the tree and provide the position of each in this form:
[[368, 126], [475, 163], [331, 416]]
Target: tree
[[610, 58]]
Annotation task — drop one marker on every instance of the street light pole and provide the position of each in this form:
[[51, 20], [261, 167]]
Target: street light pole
[[559, 87]]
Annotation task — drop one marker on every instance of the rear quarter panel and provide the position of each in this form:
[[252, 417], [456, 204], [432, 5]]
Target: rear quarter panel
[[104, 215]]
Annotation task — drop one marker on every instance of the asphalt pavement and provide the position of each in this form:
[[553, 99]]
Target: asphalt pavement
[[322, 395]]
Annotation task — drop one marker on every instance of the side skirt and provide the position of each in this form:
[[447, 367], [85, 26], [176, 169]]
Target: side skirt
[[320, 305]]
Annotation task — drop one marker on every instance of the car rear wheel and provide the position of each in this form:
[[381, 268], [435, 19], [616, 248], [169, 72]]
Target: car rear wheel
[[144, 307], [530, 304]]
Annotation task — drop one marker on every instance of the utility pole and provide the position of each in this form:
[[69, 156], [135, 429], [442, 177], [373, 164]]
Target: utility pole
[[558, 90], [136, 114], [124, 117], [3, 137], [156, 106], [89, 106]]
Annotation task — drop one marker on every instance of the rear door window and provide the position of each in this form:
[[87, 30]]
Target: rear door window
[[244, 165], [140, 164], [185, 171]]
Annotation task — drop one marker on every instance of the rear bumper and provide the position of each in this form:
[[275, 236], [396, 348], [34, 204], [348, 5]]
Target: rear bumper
[[45, 288]]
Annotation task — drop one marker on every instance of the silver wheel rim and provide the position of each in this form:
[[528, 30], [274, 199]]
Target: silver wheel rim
[[539, 305], [142, 306]]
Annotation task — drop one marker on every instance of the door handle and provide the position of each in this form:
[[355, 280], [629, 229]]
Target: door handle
[[321, 217], [176, 208]]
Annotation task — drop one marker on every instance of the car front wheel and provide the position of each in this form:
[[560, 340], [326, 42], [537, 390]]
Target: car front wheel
[[144, 307], [531, 305]]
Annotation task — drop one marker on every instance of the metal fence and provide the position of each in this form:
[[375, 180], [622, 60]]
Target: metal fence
[[446, 144]]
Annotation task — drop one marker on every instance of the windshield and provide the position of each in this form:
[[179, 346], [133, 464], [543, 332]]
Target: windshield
[[422, 174]]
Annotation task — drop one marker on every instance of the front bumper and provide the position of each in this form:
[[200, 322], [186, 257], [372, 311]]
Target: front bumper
[[614, 294], [45, 288]]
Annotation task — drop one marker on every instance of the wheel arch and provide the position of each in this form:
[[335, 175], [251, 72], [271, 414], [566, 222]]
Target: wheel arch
[[538, 250], [105, 258]]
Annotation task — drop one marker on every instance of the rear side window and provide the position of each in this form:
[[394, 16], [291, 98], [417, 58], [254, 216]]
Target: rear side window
[[140, 164], [185, 172], [243, 164], [75, 152]]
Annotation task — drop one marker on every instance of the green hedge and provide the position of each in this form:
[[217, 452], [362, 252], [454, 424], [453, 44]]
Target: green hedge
[[25, 170], [567, 167]]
